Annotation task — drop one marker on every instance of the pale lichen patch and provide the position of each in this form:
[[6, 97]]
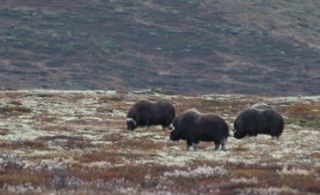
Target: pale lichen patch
[[76, 136]]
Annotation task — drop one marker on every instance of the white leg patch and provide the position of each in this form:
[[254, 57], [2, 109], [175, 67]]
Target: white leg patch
[[193, 147]]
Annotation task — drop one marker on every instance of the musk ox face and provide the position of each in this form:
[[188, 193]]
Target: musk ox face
[[239, 134], [174, 134], [237, 131], [131, 124]]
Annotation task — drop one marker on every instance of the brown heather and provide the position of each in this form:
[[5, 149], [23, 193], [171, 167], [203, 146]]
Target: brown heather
[[77, 143]]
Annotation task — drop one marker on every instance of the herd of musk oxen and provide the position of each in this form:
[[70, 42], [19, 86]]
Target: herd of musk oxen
[[194, 126]]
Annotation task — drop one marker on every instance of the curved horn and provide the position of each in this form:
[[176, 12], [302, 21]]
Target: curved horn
[[131, 120], [171, 128]]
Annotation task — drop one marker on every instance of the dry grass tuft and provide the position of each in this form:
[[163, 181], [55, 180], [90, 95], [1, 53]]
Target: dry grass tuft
[[46, 95], [306, 115], [24, 177], [15, 102], [307, 111], [108, 99], [250, 172], [59, 128], [138, 144], [305, 182], [112, 157], [12, 95], [144, 174], [300, 109], [316, 155], [15, 109], [241, 149], [45, 118], [106, 109], [68, 142], [243, 170], [4, 131], [23, 145]]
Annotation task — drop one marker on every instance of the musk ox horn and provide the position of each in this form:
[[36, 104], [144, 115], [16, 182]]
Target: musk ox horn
[[131, 120], [171, 128]]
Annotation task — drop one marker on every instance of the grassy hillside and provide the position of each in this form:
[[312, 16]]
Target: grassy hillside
[[64, 142], [250, 46]]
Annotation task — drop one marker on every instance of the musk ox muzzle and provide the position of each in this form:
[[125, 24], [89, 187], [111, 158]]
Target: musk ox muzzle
[[131, 124]]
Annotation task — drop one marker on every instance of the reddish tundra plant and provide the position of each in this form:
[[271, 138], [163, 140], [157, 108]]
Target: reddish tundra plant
[[77, 143]]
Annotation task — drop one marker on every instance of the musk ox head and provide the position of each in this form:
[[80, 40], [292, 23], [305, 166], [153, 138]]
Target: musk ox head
[[239, 134], [243, 123], [133, 117], [174, 131], [131, 124]]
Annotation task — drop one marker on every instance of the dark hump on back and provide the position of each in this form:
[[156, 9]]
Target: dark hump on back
[[210, 117], [191, 113], [138, 107], [219, 121], [188, 116], [164, 105], [247, 117], [271, 114], [163, 102], [249, 113], [144, 104]]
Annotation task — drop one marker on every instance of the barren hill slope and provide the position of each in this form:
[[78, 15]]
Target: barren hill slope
[[190, 47]]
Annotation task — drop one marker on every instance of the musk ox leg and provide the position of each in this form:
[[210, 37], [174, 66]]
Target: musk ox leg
[[223, 144], [256, 140], [276, 138], [216, 146], [193, 147]]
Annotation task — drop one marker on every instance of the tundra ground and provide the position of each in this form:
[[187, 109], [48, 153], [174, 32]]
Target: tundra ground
[[76, 142]]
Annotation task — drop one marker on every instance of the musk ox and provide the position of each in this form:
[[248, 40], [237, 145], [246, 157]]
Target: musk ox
[[194, 126], [145, 113], [252, 122]]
